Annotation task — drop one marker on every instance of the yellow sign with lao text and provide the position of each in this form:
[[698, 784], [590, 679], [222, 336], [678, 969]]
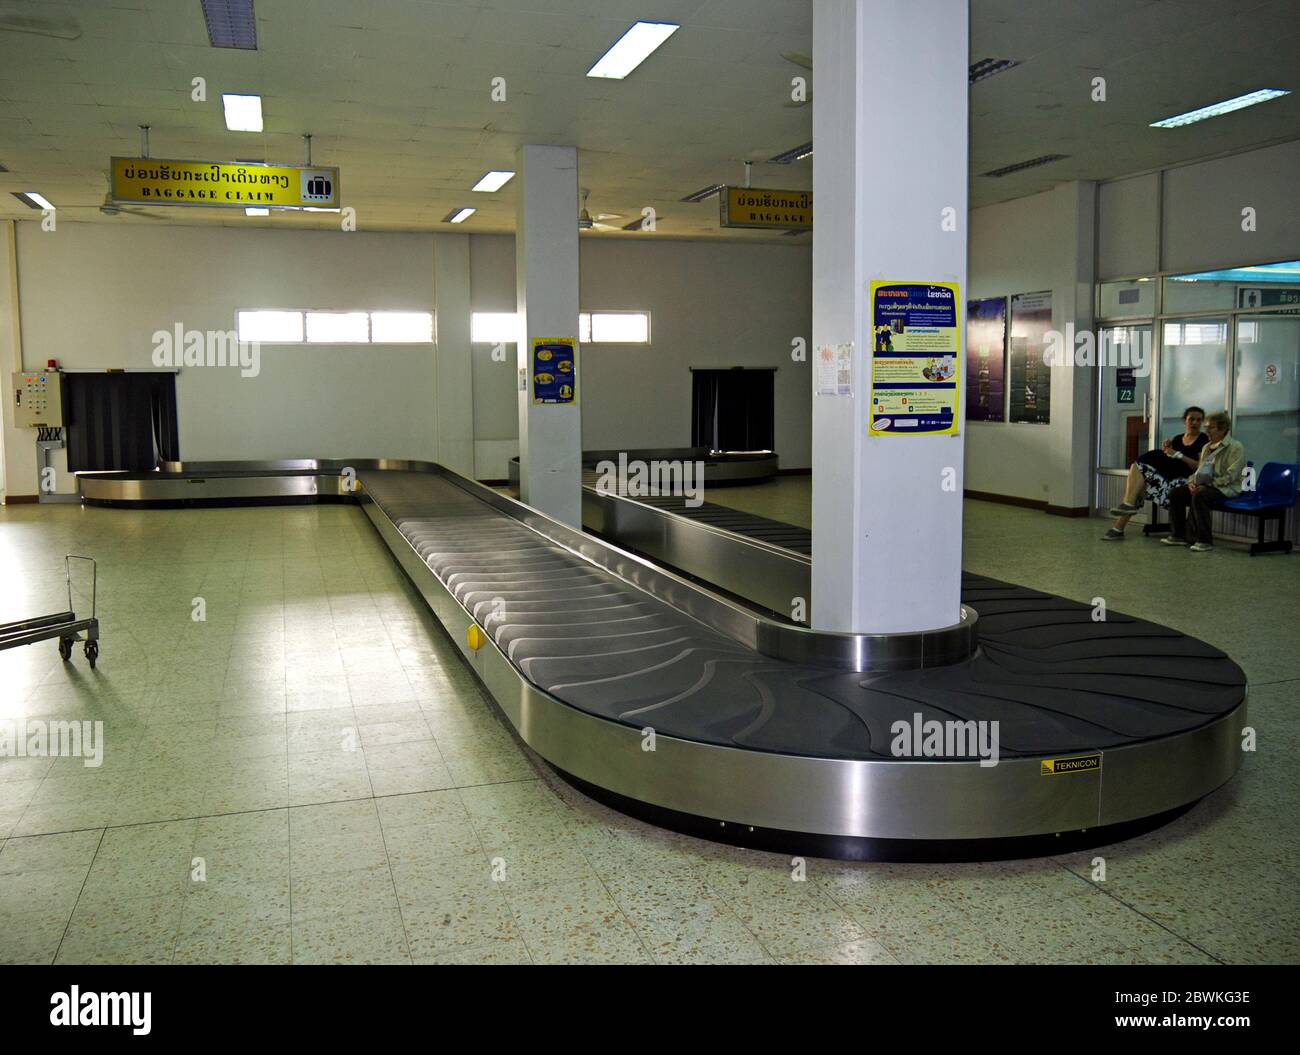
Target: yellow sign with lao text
[[158, 181], [756, 207]]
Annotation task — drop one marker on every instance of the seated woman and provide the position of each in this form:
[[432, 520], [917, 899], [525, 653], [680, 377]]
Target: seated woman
[[1159, 473], [1218, 475]]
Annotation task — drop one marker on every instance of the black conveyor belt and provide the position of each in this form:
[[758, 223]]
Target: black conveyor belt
[[1055, 680], [773, 532]]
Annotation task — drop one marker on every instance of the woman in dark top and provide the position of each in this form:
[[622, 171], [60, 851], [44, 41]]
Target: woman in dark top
[[1159, 473]]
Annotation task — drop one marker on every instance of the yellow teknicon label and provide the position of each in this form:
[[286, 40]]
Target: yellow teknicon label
[[1054, 767]]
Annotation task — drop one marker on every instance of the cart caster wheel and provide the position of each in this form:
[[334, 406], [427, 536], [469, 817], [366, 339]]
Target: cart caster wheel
[[65, 648], [92, 652]]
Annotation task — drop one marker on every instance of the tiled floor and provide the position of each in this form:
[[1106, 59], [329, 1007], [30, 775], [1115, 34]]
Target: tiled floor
[[309, 774]]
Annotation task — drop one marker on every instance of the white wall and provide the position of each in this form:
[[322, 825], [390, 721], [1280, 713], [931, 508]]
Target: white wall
[[1202, 215], [1042, 242], [711, 305], [1128, 228], [1203, 210], [92, 295]]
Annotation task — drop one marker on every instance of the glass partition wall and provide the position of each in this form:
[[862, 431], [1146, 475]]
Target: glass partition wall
[[1226, 339]]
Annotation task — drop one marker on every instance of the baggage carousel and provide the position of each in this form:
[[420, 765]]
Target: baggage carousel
[[694, 709]]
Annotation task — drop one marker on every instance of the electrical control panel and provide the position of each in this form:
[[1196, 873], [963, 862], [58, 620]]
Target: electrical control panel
[[38, 399]]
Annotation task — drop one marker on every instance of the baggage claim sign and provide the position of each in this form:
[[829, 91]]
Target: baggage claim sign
[[153, 181]]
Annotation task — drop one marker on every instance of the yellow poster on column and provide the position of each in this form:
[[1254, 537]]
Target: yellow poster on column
[[915, 358]]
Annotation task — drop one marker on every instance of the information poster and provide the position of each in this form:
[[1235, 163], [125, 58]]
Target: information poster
[[915, 358], [554, 369], [986, 359], [1030, 378], [835, 370]]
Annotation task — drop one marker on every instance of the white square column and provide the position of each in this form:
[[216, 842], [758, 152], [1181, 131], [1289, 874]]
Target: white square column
[[889, 180], [546, 280]]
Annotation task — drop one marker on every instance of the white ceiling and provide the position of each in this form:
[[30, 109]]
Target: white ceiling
[[397, 93]]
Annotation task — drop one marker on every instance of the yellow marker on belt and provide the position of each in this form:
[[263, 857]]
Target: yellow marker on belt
[[474, 637]]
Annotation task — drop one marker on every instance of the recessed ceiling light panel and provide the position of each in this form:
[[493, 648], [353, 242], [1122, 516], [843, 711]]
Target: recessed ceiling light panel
[[632, 49], [243, 112], [231, 24], [459, 215], [493, 181], [986, 68], [1240, 102], [792, 155], [704, 193], [32, 200], [1020, 166]]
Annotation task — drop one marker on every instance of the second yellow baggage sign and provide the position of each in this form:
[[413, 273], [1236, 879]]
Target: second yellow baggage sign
[[157, 181], [756, 207]]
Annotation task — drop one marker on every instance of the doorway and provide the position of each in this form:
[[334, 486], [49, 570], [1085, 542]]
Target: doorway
[[732, 410]]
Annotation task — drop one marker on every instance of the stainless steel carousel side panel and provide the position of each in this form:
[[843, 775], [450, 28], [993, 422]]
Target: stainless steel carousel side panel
[[766, 575], [1143, 779], [198, 487], [836, 797]]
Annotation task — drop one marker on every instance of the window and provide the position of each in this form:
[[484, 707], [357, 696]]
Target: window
[[493, 327], [614, 327], [270, 327], [401, 327], [335, 327], [338, 327], [599, 327]]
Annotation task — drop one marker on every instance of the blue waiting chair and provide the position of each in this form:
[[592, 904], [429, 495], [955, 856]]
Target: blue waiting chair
[[1274, 495]]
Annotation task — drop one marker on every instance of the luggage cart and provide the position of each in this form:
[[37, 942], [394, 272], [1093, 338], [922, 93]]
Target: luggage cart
[[63, 625]]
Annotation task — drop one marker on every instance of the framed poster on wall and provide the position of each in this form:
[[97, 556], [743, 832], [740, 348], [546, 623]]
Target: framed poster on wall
[[986, 359], [1030, 378]]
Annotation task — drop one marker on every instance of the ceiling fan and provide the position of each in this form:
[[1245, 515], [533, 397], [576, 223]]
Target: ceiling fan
[[112, 208], [799, 59], [587, 222]]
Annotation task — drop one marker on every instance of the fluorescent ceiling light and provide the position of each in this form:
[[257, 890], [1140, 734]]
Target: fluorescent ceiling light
[[401, 327], [793, 154], [459, 215], [243, 112], [338, 327], [632, 49], [270, 327], [231, 24], [33, 200], [1218, 109], [257, 212], [1020, 166], [494, 180]]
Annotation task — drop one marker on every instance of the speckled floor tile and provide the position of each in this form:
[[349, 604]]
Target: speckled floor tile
[[454, 923], [351, 939], [135, 930], [221, 944]]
